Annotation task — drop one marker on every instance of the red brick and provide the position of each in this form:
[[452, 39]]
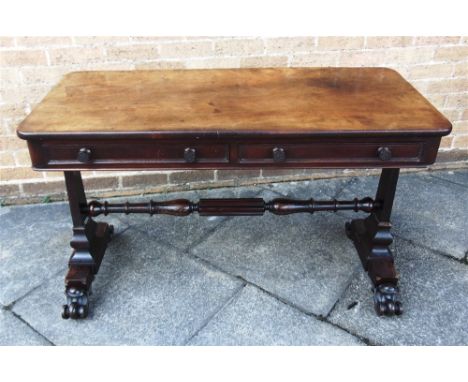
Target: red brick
[[362, 58], [75, 55], [438, 100], [7, 159], [436, 40], [44, 188], [340, 42], [446, 142], [318, 59], [430, 71], [453, 155], [17, 173], [457, 100], [186, 49], [237, 174], [461, 142], [144, 180], [264, 62], [11, 143], [101, 183], [448, 86], [160, 65], [6, 42], [239, 47], [22, 158], [401, 56], [162, 38], [272, 172], [181, 177], [8, 190], [46, 76], [460, 127], [22, 58], [9, 77], [23, 95], [451, 114], [41, 41], [132, 52], [452, 53], [99, 40], [388, 41], [213, 62], [288, 45], [461, 69]]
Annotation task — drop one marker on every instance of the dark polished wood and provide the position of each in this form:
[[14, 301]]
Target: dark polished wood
[[235, 153], [372, 238], [230, 207], [89, 243], [233, 119], [210, 119], [240, 102]]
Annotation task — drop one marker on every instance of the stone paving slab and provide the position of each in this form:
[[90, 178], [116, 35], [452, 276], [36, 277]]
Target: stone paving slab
[[27, 263], [434, 292], [146, 293], [14, 332], [428, 211], [184, 231], [255, 318], [35, 245], [151, 290], [307, 260]]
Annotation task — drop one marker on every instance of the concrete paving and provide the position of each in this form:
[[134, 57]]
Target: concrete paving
[[271, 280]]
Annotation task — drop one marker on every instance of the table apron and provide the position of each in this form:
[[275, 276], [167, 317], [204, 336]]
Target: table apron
[[141, 154]]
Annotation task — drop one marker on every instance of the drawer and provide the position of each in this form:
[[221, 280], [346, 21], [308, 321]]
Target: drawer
[[141, 153], [354, 153]]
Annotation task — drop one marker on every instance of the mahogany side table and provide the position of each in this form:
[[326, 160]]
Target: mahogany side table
[[233, 119]]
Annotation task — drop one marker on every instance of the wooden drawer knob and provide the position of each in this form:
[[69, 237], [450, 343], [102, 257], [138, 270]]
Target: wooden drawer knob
[[384, 153], [279, 154], [84, 155], [190, 155]]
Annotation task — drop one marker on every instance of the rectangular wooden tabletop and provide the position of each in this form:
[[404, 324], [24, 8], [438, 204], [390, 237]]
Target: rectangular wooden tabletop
[[307, 101]]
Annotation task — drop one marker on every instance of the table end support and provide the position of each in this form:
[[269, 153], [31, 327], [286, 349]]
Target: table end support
[[372, 238], [89, 244]]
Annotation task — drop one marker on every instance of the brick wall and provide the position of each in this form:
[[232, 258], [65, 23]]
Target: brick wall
[[30, 66]]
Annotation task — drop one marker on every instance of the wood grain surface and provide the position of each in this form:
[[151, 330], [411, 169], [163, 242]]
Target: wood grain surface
[[242, 101]]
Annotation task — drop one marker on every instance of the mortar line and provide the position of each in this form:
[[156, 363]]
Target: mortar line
[[398, 236], [344, 186], [31, 327], [228, 302], [12, 304], [354, 274], [281, 299], [307, 313], [433, 250], [448, 181]]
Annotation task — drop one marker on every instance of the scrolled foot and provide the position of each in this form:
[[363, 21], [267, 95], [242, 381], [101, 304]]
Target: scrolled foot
[[386, 300], [77, 305]]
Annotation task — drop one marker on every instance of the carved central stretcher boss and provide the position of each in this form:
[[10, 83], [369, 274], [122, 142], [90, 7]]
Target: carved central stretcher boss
[[233, 119]]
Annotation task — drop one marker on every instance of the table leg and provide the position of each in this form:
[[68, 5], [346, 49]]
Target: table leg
[[89, 243], [372, 238]]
